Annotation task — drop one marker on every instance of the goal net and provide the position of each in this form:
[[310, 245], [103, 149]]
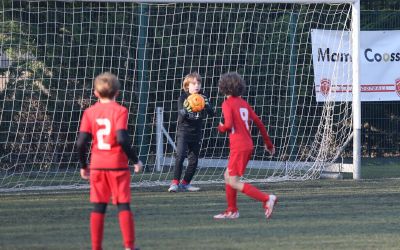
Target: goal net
[[51, 51]]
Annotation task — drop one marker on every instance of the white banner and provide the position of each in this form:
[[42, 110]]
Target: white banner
[[379, 65]]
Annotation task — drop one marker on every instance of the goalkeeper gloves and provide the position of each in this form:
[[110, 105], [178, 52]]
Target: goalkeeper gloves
[[188, 112], [186, 106], [206, 101], [209, 109]]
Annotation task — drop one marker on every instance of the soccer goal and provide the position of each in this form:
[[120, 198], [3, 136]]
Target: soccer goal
[[298, 59]]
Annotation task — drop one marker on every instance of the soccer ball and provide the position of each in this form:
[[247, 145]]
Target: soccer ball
[[196, 102]]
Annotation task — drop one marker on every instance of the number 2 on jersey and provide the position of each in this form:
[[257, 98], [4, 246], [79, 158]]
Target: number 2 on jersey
[[101, 133]]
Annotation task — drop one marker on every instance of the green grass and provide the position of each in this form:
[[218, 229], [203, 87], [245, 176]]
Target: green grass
[[320, 214], [373, 168]]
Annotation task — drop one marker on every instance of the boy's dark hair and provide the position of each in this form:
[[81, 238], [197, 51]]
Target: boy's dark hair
[[188, 78], [107, 85], [231, 84]]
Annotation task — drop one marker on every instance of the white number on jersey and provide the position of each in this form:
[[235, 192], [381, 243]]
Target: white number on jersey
[[103, 132], [244, 114]]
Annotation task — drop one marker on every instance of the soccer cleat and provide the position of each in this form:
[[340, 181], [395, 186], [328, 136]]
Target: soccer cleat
[[227, 215], [189, 188], [173, 188], [269, 205]]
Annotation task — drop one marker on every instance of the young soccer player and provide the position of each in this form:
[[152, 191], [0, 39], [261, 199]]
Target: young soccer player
[[106, 123], [189, 133], [237, 115]]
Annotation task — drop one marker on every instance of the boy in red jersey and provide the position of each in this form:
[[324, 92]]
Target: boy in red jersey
[[106, 122], [237, 115]]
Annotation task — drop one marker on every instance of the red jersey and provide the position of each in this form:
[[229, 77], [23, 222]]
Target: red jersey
[[102, 121], [237, 115]]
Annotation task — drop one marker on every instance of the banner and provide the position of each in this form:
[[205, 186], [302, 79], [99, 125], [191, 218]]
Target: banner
[[379, 65]]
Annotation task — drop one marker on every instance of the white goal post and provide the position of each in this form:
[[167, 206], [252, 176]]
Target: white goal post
[[51, 51]]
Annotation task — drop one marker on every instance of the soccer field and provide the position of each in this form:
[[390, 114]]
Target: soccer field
[[320, 214]]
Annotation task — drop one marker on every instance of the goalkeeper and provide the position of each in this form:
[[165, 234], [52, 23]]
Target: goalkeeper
[[189, 132], [106, 122]]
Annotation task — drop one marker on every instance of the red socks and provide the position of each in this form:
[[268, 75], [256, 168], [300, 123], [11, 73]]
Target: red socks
[[231, 195], [175, 181], [254, 193], [96, 229], [249, 190], [127, 225]]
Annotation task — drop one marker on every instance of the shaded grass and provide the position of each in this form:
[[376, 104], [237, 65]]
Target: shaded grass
[[373, 168], [324, 214], [319, 214]]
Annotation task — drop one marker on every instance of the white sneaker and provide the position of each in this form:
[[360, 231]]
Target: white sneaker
[[227, 215], [173, 188], [189, 188], [269, 205]]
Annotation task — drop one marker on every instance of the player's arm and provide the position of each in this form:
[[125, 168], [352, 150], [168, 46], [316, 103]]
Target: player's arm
[[125, 142], [81, 144], [83, 140], [123, 139], [267, 140], [227, 114]]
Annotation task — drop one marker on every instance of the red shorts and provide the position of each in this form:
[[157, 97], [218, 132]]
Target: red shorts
[[238, 162], [105, 184]]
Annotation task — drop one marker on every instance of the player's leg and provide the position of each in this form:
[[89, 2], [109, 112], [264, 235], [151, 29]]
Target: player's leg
[[234, 169], [240, 160], [247, 189], [181, 151], [193, 160], [238, 166], [121, 192], [100, 194], [268, 200], [127, 225], [231, 212], [231, 194], [230, 190], [97, 224]]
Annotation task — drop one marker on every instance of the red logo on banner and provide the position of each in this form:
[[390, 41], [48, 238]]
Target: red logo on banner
[[325, 86], [397, 86]]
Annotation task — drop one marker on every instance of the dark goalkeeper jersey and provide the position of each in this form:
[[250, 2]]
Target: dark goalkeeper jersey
[[190, 124]]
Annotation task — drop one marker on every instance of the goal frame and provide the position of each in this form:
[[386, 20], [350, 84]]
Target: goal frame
[[161, 132], [355, 167]]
